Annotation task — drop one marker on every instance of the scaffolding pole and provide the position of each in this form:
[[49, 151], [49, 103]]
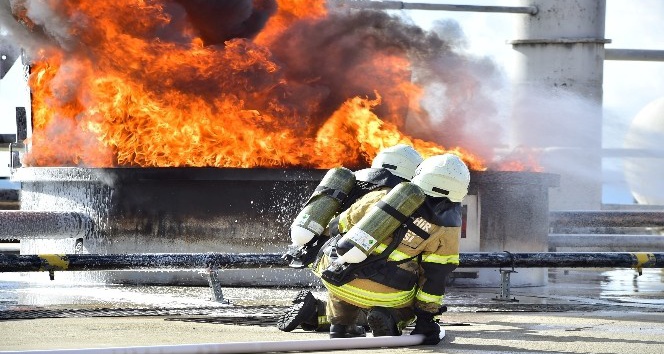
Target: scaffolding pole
[[97, 262]]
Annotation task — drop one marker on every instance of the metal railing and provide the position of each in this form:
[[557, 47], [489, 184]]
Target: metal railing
[[97, 262], [212, 262]]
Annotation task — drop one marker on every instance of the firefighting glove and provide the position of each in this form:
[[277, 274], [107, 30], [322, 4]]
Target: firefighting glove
[[427, 326]]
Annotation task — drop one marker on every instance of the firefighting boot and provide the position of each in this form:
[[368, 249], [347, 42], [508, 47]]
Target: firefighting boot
[[382, 322], [427, 326], [345, 331], [302, 313]]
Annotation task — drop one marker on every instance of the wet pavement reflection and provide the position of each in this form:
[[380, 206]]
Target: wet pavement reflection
[[567, 290]]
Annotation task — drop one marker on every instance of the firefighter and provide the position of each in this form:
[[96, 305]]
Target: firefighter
[[390, 167], [404, 278]]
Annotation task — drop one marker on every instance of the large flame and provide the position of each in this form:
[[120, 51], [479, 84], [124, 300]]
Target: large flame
[[145, 83]]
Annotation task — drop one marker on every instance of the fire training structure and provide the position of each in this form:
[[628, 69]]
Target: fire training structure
[[194, 210]]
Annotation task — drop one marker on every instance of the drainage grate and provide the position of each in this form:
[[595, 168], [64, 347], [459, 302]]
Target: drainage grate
[[248, 320]]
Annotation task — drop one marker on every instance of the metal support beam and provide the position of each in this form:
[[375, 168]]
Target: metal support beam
[[95, 262], [506, 286], [634, 54], [215, 285], [400, 5]]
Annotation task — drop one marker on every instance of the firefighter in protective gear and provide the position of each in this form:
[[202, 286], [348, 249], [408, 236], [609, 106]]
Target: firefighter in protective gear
[[405, 277], [390, 167], [444, 176]]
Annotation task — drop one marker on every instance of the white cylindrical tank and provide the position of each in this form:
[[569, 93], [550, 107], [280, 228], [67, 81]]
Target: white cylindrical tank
[[557, 107], [645, 175]]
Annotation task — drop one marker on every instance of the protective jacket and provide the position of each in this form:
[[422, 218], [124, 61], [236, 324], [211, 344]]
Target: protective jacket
[[419, 258]]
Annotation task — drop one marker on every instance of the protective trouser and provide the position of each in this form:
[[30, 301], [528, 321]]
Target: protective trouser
[[341, 312]]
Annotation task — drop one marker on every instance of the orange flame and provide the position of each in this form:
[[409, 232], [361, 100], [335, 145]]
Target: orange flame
[[289, 12], [520, 159], [118, 94]]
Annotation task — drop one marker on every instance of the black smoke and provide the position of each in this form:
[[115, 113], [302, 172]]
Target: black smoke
[[220, 20], [332, 59]]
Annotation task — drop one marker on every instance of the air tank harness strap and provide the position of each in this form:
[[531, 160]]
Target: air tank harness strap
[[378, 268], [407, 221], [352, 271], [337, 194], [360, 189], [334, 193], [388, 273]]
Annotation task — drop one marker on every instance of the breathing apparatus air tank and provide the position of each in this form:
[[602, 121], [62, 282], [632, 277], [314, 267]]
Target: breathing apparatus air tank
[[323, 204], [380, 222]]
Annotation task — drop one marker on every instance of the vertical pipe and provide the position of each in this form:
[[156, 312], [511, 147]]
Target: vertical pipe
[[559, 57]]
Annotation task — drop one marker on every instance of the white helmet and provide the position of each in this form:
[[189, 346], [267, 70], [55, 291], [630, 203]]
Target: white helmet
[[443, 176], [401, 160]]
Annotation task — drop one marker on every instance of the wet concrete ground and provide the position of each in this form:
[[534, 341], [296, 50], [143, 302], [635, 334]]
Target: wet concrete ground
[[579, 311]]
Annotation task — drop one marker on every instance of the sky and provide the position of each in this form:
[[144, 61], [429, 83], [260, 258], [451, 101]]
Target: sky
[[628, 85]]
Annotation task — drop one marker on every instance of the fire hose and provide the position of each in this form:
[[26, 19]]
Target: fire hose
[[247, 347]]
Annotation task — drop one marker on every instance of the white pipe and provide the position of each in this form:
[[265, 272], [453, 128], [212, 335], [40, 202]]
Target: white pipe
[[246, 347], [11, 248], [400, 5], [634, 54]]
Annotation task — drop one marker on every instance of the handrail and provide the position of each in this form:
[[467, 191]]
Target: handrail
[[98, 262]]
